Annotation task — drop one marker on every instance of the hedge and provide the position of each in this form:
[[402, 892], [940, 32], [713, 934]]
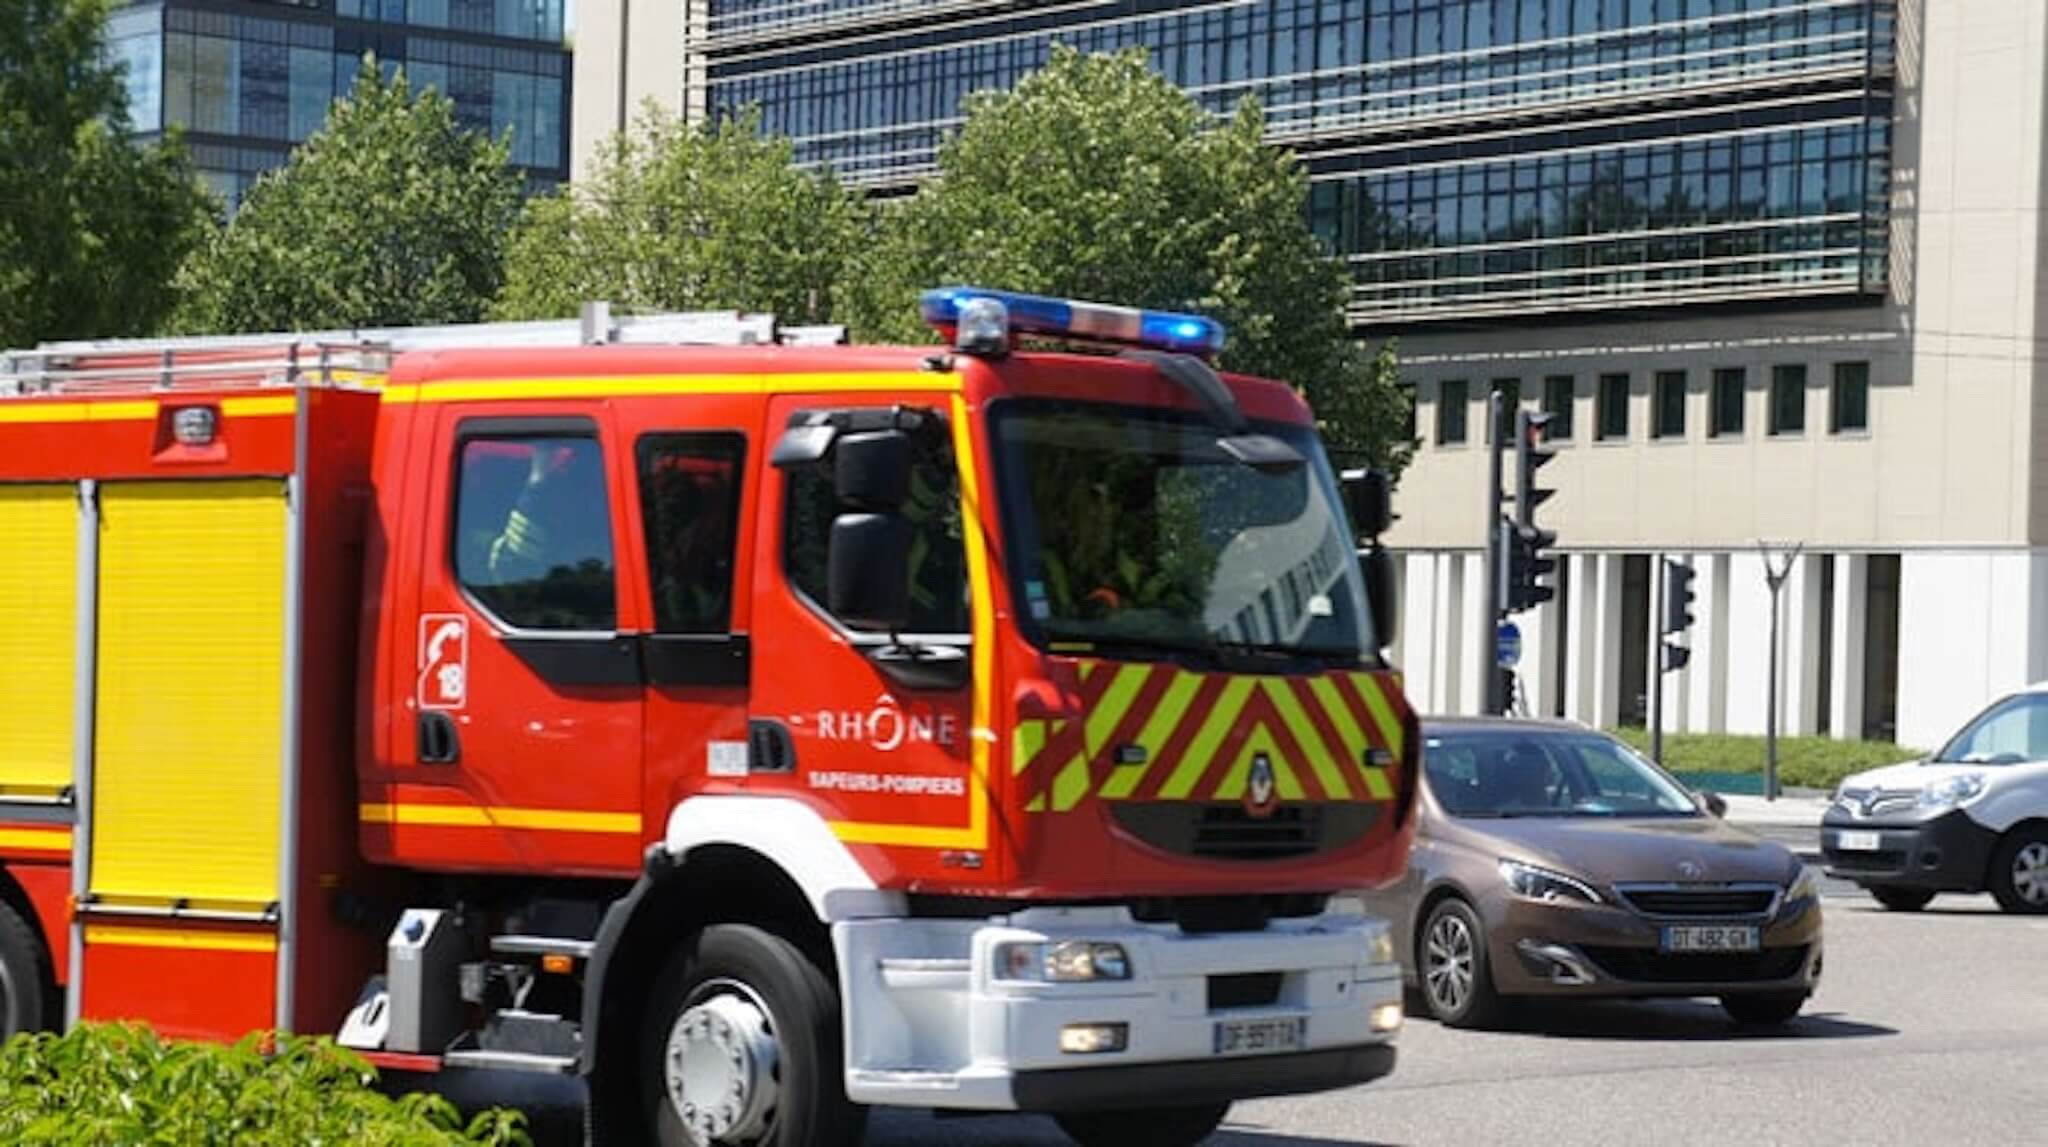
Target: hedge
[[1803, 762]]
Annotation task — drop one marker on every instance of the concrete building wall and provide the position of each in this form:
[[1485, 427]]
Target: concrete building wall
[[627, 52]]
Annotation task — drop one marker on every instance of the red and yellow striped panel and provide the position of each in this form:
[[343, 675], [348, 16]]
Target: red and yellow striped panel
[[1200, 733]]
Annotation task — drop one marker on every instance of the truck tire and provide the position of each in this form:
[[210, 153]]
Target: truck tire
[[25, 981], [1144, 1126], [2019, 870], [741, 1045]]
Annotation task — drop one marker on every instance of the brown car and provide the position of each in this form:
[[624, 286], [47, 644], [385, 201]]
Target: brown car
[[1553, 860]]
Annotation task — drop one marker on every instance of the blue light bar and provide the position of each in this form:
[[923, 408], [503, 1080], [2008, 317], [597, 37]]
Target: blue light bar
[[1095, 322]]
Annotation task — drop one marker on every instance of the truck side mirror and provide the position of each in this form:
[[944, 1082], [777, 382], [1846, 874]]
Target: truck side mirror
[[1378, 567], [1370, 497], [867, 574], [871, 471]]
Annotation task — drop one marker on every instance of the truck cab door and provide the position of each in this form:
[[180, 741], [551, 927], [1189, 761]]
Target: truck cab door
[[527, 697]]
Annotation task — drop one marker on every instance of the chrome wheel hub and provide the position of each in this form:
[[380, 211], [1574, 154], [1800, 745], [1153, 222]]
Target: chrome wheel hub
[[720, 1064], [1447, 963], [2030, 873]]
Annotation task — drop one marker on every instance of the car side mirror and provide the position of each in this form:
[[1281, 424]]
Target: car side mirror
[[867, 574], [1714, 804], [871, 470], [1369, 496], [1378, 567]]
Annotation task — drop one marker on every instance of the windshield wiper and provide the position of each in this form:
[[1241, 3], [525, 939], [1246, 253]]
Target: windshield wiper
[[1288, 652]]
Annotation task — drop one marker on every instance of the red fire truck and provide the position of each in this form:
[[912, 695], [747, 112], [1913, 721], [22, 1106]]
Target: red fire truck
[[764, 732]]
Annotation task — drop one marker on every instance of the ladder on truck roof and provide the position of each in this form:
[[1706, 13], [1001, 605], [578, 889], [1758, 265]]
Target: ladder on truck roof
[[335, 357]]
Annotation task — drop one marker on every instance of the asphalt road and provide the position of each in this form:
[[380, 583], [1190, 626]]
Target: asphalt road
[[1927, 1028]]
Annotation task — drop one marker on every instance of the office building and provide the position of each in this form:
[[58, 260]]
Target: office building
[[248, 80], [1776, 265]]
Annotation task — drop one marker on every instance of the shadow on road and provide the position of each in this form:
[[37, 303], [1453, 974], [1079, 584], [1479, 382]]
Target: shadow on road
[[1252, 1137], [1673, 1020]]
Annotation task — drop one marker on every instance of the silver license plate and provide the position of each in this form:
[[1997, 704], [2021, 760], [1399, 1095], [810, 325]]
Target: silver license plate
[[1262, 1036], [1710, 938], [1858, 841]]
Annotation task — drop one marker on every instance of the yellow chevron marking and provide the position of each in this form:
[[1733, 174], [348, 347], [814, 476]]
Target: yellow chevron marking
[[1382, 713], [1029, 740], [1072, 783], [1205, 742], [1166, 717], [1311, 742]]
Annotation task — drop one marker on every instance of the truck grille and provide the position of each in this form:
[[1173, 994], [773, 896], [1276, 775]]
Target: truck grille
[[1245, 990], [1746, 900], [1649, 966], [1228, 832]]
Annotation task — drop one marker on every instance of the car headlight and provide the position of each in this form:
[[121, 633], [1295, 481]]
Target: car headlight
[[1531, 882], [1804, 886], [1950, 791], [1062, 962]]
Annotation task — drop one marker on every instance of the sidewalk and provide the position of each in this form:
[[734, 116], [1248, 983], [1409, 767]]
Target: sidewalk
[[1792, 820]]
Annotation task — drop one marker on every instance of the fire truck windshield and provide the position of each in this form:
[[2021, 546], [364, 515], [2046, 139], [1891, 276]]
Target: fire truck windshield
[[1131, 526]]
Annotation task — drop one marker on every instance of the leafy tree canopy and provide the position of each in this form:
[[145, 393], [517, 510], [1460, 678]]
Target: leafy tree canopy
[[91, 228], [392, 214], [1096, 178], [686, 217]]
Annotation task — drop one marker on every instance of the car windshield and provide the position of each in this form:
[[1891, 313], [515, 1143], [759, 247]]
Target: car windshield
[[1547, 773], [2011, 732], [1132, 525]]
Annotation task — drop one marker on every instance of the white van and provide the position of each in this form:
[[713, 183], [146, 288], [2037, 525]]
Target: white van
[[1971, 818]]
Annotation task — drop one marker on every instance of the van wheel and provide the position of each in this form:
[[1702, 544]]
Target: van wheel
[[25, 990], [1900, 899], [1144, 1126], [742, 1046], [1457, 982], [2019, 871]]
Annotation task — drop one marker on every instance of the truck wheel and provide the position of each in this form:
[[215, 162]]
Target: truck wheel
[[2019, 871], [1900, 899], [1457, 982], [24, 977], [742, 1046], [1144, 1126]]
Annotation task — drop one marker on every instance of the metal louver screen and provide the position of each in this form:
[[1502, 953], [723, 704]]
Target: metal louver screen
[[38, 636]]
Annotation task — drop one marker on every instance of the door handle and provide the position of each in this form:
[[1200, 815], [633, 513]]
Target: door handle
[[438, 742]]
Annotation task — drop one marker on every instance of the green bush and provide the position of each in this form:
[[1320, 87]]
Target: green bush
[[120, 1084], [1803, 762]]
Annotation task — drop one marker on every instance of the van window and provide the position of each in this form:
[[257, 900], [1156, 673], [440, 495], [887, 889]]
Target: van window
[[533, 541]]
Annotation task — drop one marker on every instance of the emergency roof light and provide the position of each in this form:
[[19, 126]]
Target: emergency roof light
[[946, 307]]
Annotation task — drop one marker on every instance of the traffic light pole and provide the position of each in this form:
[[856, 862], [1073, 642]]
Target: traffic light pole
[[1658, 611], [1496, 561]]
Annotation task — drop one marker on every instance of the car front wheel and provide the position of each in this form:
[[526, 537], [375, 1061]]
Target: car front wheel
[[1457, 984]]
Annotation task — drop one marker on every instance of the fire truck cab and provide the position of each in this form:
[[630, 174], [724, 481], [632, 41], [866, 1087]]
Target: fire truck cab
[[762, 731]]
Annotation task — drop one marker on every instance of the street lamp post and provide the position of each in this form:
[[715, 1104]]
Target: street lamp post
[[1774, 577]]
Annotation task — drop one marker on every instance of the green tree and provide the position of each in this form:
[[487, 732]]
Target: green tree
[[680, 217], [1097, 178], [91, 228], [391, 214]]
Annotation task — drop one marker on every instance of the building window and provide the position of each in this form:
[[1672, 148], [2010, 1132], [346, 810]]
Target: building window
[[1408, 409], [1788, 398], [1451, 401], [1670, 420], [533, 536], [1558, 391], [1613, 407], [690, 507], [1849, 398], [1731, 384]]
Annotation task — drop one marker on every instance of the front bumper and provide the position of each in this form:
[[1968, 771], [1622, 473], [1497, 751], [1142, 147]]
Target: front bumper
[[928, 1024], [1549, 949], [1947, 853]]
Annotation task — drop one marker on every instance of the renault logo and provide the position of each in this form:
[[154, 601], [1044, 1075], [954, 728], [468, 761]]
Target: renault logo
[[1259, 790]]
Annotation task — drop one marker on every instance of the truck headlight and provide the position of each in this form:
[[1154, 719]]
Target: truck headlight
[[1380, 949], [1951, 791], [1531, 882], [1062, 962]]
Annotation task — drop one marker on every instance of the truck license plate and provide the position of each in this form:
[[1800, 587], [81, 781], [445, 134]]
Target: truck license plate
[[1857, 841], [1710, 938], [1257, 1037]]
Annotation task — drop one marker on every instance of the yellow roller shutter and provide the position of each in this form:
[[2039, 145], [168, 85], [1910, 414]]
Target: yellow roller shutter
[[186, 781], [38, 636]]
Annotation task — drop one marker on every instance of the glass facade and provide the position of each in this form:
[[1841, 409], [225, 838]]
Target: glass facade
[[245, 87], [1470, 157]]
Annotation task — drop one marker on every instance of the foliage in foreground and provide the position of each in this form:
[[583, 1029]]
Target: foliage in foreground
[[1803, 762], [1097, 178], [120, 1084]]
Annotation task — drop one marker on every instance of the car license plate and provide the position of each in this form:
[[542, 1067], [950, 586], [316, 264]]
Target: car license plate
[[1257, 1037], [1710, 938], [1858, 841]]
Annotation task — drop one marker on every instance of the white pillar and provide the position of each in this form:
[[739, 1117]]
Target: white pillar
[[1419, 641], [1585, 592], [1443, 678], [1799, 636], [1537, 674], [1474, 627], [1676, 684], [1706, 678], [1606, 618], [1845, 685]]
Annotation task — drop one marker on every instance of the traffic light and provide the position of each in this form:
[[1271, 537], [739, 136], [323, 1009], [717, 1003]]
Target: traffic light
[[1526, 545], [1677, 597], [1676, 657]]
